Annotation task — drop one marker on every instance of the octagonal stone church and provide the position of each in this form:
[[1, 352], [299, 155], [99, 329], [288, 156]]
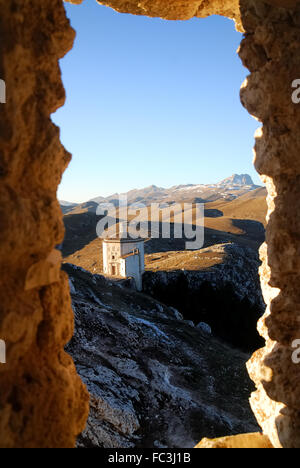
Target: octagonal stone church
[[124, 258]]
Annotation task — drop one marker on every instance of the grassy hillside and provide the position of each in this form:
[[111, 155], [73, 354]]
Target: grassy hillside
[[252, 205], [240, 221]]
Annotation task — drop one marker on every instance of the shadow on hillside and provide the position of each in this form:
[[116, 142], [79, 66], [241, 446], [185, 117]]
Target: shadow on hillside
[[253, 236], [81, 231], [230, 318], [213, 213], [252, 229]]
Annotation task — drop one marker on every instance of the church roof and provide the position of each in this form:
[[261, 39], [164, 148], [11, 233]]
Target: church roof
[[124, 240], [130, 254]]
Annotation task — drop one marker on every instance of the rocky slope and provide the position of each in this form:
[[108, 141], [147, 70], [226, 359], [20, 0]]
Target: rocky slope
[[219, 285], [155, 380]]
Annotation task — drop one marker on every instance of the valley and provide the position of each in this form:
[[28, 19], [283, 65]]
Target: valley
[[238, 218], [155, 380], [167, 366]]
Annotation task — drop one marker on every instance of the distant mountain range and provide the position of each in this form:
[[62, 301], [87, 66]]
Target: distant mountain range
[[228, 189]]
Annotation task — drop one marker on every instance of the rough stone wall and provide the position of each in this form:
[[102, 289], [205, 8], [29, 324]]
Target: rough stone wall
[[271, 51], [42, 401]]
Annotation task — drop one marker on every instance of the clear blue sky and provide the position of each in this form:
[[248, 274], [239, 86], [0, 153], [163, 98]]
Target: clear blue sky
[[151, 102]]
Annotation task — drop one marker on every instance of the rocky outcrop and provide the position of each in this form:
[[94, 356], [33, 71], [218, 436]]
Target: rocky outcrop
[[241, 441], [271, 50], [154, 380], [227, 295], [175, 9], [239, 268]]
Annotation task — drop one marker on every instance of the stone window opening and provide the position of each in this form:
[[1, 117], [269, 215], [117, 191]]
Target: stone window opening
[[32, 161]]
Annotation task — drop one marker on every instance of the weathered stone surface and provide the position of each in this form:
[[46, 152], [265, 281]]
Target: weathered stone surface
[[183, 10], [155, 380], [243, 441], [44, 272], [178, 9], [42, 401], [227, 295], [271, 50]]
